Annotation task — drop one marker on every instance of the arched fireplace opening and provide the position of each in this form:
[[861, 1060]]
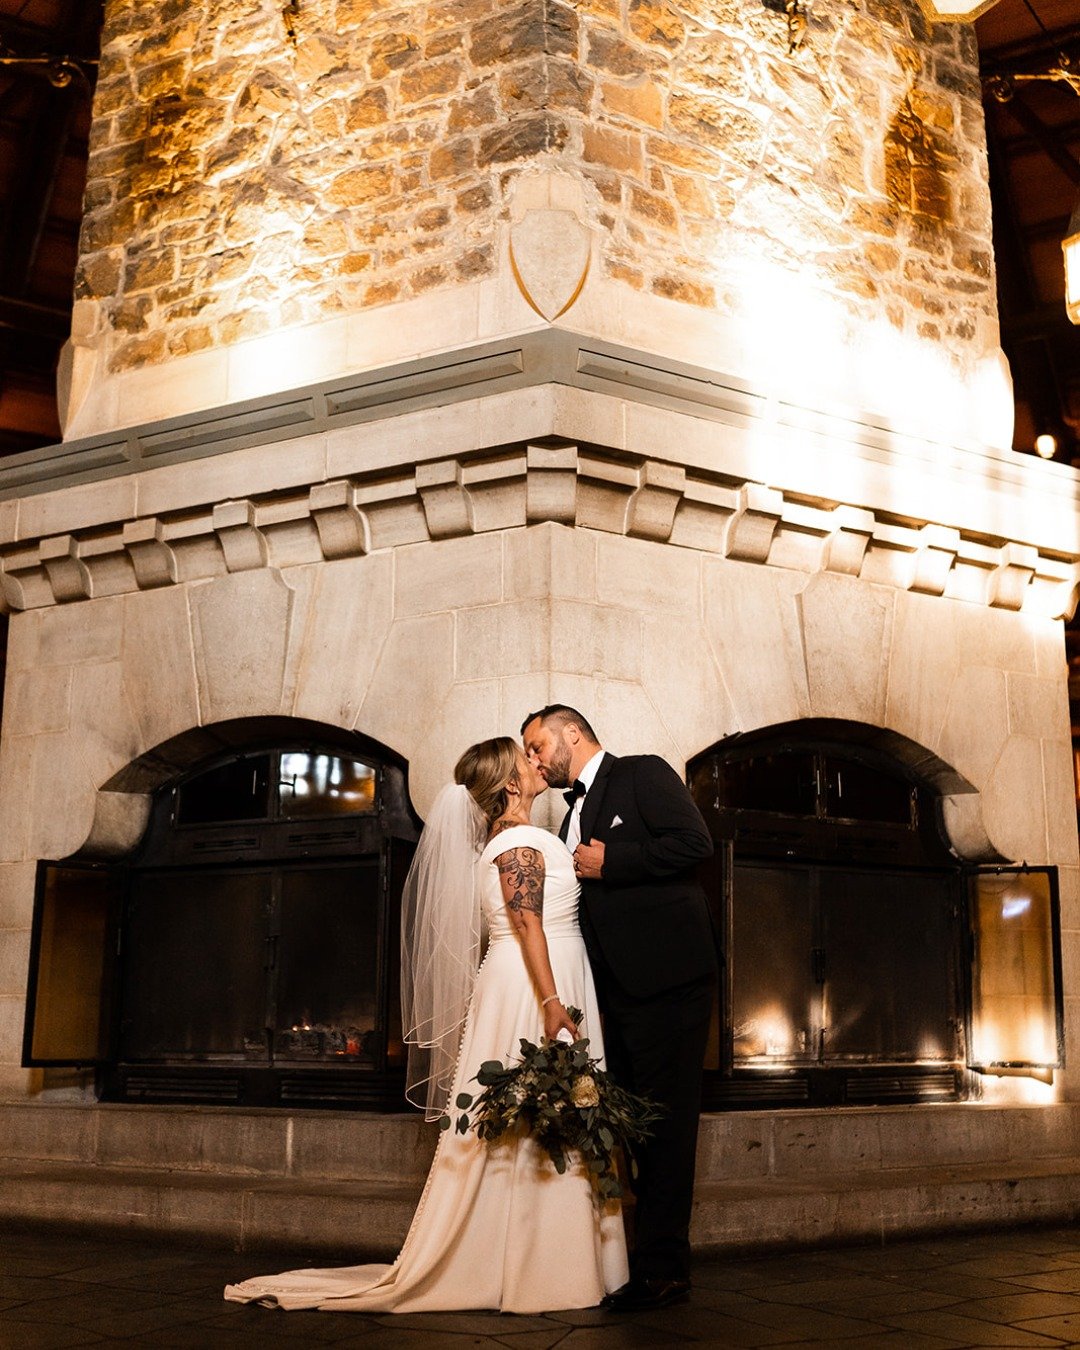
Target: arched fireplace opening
[[246, 950], [863, 960]]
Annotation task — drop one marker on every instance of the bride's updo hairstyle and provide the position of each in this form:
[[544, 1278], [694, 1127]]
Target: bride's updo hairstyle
[[485, 770]]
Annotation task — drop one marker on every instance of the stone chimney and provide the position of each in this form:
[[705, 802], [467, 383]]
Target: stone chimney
[[279, 194]]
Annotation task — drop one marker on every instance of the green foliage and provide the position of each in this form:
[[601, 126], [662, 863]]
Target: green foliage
[[566, 1101]]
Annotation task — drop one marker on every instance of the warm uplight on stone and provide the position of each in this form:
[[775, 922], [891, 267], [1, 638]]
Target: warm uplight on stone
[[244, 181]]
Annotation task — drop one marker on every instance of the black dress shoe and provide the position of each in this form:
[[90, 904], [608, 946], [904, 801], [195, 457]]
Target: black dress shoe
[[643, 1295]]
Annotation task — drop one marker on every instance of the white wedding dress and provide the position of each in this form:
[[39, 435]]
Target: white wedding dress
[[496, 1226]]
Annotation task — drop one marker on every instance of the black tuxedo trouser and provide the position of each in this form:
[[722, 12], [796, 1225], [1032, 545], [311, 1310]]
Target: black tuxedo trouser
[[655, 1047]]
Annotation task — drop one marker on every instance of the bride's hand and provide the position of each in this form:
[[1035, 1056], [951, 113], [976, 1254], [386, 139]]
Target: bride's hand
[[555, 1018]]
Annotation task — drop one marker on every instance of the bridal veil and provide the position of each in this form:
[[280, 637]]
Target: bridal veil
[[440, 944]]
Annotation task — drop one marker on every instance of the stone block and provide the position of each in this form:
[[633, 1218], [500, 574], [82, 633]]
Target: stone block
[[469, 713], [23, 642], [753, 627], [14, 961], [77, 508], [995, 637], [240, 626], [923, 662], [59, 1133], [976, 722], [520, 695], [75, 633], [1014, 808], [573, 563], [347, 624], [272, 1217], [505, 639], [17, 893], [232, 476], [1038, 707], [1048, 635], [943, 1136], [411, 678], [1059, 787], [37, 701], [684, 684], [62, 797], [193, 1140], [103, 725], [447, 574], [16, 778], [159, 664], [847, 627], [643, 575], [595, 639], [812, 1142], [12, 1011], [388, 1148], [628, 723]]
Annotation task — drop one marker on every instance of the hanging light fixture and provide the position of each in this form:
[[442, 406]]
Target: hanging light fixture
[[955, 11], [1070, 246]]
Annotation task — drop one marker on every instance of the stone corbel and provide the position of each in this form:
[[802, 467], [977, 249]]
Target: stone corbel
[[846, 546], [703, 513], [343, 531], [1009, 581], [446, 506], [935, 554], [605, 487], [753, 523], [241, 541], [151, 557], [69, 577], [496, 492], [651, 510], [551, 484]]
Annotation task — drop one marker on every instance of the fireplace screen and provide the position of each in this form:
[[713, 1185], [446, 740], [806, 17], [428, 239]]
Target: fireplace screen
[[861, 961], [248, 951]]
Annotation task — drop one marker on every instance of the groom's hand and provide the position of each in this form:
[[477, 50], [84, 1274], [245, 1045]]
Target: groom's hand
[[589, 860]]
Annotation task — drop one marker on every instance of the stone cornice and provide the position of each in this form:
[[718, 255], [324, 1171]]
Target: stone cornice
[[582, 486], [526, 360], [633, 445]]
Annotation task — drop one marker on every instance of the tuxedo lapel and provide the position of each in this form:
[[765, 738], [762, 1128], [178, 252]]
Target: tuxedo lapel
[[594, 798]]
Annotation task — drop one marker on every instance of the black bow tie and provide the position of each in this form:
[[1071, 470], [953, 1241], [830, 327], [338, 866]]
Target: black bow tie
[[578, 790]]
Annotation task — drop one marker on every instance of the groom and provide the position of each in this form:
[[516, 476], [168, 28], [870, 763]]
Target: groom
[[636, 837]]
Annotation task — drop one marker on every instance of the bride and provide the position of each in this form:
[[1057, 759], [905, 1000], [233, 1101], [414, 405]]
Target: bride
[[496, 1226]]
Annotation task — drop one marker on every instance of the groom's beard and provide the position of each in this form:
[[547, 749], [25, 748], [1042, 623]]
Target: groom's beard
[[557, 773]]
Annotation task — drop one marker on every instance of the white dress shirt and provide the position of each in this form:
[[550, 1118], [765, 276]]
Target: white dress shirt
[[586, 776]]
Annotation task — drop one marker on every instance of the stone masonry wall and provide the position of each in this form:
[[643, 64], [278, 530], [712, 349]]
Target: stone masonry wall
[[254, 167]]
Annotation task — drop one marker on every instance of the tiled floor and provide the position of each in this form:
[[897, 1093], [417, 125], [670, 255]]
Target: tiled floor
[[1018, 1288]]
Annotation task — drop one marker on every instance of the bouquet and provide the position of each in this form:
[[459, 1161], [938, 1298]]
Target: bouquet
[[566, 1101]]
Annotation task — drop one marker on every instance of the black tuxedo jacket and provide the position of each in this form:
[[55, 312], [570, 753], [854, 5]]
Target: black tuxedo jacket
[[645, 920]]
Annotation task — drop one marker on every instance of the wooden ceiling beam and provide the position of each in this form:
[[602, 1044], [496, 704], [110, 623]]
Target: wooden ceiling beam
[[1045, 137]]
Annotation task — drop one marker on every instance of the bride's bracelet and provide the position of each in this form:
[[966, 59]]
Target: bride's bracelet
[[551, 998]]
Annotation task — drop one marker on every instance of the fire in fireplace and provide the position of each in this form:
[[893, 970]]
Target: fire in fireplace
[[863, 962], [247, 951]]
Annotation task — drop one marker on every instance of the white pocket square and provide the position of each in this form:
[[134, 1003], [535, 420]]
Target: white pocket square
[[615, 820]]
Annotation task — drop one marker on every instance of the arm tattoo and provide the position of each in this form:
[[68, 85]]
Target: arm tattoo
[[522, 874]]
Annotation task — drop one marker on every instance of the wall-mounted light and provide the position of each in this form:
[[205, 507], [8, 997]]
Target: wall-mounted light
[[1070, 246], [1046, 445], [60, 71]]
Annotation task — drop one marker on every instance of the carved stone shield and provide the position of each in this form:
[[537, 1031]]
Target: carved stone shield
[[549, 254]]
